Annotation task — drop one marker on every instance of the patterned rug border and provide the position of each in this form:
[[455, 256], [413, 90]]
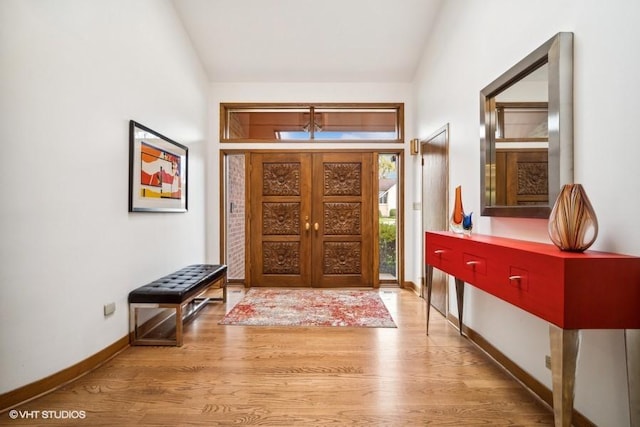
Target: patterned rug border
[[284, 307]]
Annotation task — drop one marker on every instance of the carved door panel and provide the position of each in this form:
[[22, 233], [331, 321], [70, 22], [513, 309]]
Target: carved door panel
[[280, 252], [342, 245], [525, 178], [311, 220]]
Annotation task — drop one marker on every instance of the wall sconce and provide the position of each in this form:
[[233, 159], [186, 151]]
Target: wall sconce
[[414, 146]]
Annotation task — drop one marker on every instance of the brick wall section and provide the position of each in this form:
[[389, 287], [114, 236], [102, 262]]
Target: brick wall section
[[236, 217]]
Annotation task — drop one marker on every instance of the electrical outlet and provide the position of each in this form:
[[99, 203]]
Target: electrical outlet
[[547, 362], [109, 308]]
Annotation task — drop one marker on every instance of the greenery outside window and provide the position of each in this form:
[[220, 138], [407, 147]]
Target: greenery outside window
[[388, 202], [317, 122]]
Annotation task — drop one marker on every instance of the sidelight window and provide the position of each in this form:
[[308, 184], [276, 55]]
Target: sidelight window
[[388, 186]]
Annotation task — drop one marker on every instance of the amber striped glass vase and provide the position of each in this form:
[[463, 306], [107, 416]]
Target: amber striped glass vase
[[573, 225]]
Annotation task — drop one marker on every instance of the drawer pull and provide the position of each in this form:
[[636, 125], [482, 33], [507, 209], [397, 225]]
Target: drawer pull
[[473, 263], [518, 278], [438, 251]]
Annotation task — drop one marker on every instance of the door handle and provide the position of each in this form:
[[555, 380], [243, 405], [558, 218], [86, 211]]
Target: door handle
[[307, 226], [316, 226]]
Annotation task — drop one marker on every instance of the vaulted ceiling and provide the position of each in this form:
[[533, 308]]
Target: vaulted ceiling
[[308, 41]]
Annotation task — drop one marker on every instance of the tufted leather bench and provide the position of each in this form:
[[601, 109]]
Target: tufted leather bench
[[180, 291]]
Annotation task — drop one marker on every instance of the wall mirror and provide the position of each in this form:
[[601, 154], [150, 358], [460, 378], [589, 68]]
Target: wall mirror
[[526, 121]]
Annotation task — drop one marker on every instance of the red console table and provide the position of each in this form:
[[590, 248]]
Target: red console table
[[571, 291]]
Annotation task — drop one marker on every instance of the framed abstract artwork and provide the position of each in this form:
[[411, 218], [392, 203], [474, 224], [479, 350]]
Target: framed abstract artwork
[[157, 171]]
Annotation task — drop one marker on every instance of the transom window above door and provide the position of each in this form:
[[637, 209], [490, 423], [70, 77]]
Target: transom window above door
[[318, 122]]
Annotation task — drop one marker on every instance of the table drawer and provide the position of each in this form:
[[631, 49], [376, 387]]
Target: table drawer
[[441, 255], [532, 289], [519, 278], [474, 263]]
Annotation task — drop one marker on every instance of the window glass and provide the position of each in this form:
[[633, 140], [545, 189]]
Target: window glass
[[273, 123], [268, 124], [522, 121], [368, 124], [388, 219]]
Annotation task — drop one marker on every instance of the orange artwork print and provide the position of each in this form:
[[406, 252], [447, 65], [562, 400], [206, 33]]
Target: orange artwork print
[[159, 173]]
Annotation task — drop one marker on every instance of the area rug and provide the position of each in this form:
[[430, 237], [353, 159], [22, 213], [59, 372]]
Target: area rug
[[310, 307]]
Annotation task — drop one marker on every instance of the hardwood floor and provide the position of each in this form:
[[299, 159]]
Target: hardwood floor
[[235, 375]]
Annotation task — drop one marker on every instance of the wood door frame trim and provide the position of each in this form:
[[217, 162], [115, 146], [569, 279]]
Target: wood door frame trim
[[223, 152]]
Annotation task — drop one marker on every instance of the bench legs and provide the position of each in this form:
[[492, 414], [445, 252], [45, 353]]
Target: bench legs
[[139, 330], [182, 313], [143, 322]]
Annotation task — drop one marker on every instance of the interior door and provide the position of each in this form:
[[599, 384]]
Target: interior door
[[435, 214], [311, 219]]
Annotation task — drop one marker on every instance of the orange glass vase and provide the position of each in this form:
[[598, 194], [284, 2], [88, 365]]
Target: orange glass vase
[[459, 221], [573, 225]]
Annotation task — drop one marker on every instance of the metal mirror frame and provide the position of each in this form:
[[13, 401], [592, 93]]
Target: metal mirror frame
[[558, 53]]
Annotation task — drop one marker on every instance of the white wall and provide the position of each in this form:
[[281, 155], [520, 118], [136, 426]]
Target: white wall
[[473, 43], [72, 74]]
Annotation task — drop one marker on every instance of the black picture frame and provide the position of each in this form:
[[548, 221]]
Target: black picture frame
[[158, 170]]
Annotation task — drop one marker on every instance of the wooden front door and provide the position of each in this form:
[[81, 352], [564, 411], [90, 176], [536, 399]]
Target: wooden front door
[[311, 219]]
